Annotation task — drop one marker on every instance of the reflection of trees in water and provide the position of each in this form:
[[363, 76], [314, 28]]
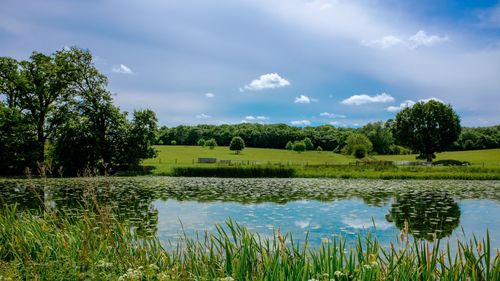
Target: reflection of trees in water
[[426, 212]]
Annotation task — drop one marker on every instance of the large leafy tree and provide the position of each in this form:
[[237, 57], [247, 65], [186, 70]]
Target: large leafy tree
[[427, 128], [237, 144], [380, 136]]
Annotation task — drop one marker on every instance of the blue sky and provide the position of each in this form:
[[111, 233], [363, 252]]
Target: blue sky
[[300, 62]]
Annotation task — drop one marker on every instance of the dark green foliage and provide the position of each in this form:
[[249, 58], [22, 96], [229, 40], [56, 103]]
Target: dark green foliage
[[211, 143], [201, 142], [427, 127], [173, 142], [299, 146], [289, 146], [380, 137], [359, 151], [62, 99], [308, 143], [319, 148], [450, 163], [237, 144], [235, 172]]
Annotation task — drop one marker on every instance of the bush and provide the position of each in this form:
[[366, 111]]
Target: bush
[[319, 148], [201, 142], [299, 146], [211, 143], [449, 162], [357, 141], [359, 151], [289, 146], [308, 143], [173, 142], [237, 144]]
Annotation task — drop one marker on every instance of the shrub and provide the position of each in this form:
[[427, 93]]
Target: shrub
[[211, 143], [319, 148], [173, 142], [237, 144], [359, 151], [449, 162], [201, 142], [289, 145], [299, 146], [356, 140], [308, 143]]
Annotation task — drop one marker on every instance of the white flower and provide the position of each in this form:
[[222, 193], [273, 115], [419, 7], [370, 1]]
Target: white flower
[[338, 273]]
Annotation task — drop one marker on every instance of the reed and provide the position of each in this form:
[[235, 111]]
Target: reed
[[94, 245]]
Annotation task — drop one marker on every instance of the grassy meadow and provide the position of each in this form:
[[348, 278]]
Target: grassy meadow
[[261, 162]]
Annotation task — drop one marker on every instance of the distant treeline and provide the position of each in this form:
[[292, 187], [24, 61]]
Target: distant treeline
[[327, 137]]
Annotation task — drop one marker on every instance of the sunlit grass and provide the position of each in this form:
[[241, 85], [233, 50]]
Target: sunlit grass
[[93, 245]]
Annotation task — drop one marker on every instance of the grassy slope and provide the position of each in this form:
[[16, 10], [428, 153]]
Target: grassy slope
[[490, 157], [185, 155]]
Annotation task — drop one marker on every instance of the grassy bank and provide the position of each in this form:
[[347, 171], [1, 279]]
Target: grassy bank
[[257, 162], [95, 246]]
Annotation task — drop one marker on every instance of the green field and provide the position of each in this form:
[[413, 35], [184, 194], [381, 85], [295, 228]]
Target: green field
[[173, 155], [323, 164], [488, 157]]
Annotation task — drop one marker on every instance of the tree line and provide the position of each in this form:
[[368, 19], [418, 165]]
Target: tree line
[[56, 112]]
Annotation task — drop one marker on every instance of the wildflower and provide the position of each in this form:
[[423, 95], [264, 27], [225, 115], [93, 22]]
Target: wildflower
[[374, 263], [338, 274], [227, 279], [153, 266], [104, 264], [367, 266]]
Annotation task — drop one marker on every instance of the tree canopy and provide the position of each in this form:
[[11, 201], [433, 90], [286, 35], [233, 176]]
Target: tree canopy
[[61, 99], [427, 128], [237, 144]]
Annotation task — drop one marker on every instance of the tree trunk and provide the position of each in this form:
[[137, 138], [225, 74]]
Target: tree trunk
[[429, 157]]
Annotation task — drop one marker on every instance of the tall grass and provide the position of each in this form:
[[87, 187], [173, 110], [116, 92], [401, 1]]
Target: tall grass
[[95, 246], [253, 171]]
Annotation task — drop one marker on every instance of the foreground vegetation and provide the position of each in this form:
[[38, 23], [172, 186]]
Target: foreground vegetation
[[93, 245]]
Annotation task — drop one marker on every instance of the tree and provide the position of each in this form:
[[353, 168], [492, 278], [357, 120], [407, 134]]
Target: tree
[[357, 142], [211, 143], [237, 144], [427, 128], [309, 144], [201, 142], [319, 149], [299, 146], [173, 142], [289, 145], [380, 135]]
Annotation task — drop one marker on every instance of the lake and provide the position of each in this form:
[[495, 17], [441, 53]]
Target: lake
[[168, 207]]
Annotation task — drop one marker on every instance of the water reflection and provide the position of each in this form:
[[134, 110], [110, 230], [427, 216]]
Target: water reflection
[[428, 213], [321, 206]]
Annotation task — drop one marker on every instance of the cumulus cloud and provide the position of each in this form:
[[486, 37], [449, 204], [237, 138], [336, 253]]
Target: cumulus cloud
[[302, 99], [301, 123], [332, 115], [267, 81], [203, 116], [419, 39], [255, 119], [123, 69], [410, 103], [363, 99], [209, 95]]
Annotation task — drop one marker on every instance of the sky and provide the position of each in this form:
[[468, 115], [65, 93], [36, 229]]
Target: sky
[[299, 62]]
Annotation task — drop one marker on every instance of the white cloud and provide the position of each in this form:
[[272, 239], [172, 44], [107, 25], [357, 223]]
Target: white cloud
[[421, 39], [254, 119], [209, 95], [266, 81], [384, 43], [301, 123], [122, 69], [403, 105], [334, 123], [262, 118], [302, 99], [363, 99], [249, 118], [410, 103], [332, 115], [203, 116]]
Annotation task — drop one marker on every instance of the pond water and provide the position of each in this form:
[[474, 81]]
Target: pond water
[[168, 207]]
